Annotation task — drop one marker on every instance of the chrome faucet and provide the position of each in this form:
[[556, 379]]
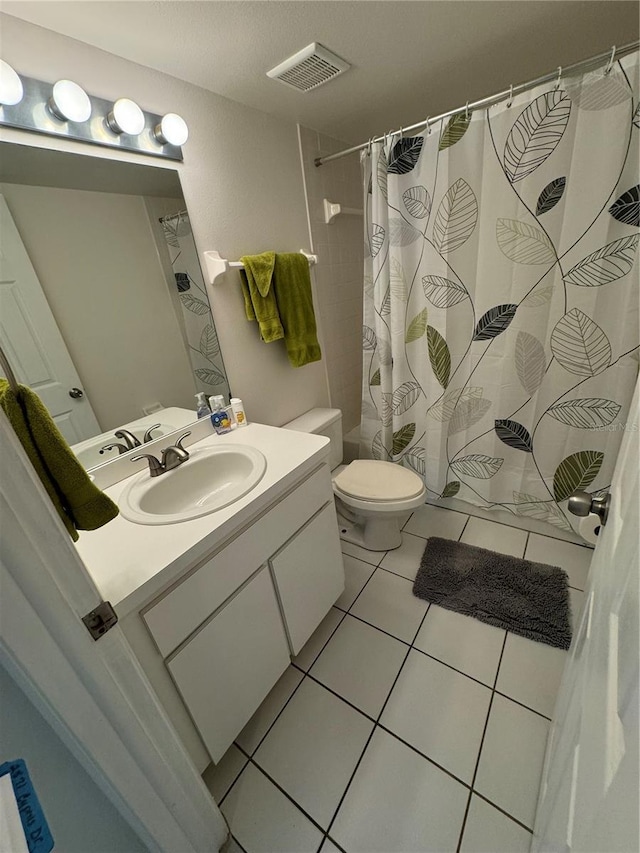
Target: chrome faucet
[[129, 438], [171, 457]]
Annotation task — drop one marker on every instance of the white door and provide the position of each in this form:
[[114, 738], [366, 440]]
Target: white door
[[590, 793], [32, 341]]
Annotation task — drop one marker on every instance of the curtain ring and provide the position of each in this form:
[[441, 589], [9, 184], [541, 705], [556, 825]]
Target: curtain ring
[[559, 80], [607, 70], [466, 111], [510, 101], [428, 125]]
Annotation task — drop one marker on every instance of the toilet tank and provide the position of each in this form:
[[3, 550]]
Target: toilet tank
[[322, 422]]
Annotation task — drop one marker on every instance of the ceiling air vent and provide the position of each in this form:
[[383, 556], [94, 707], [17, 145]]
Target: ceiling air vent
[[308, 68]]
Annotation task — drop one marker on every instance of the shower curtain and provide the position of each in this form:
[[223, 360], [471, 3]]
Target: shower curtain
[[201, 337], [501, 325]]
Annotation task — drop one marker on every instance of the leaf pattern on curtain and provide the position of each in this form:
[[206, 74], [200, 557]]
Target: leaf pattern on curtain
[[197, 320], [456, 217], [442, 292], [417, 201], [536, 133], [627, 207], [506, 408], [455, 130], [404, 155], [580, 345], [607, 264], [550, 196], [523, 243]]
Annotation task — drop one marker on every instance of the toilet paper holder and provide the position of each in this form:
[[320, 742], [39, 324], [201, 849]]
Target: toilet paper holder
[[583, 503]]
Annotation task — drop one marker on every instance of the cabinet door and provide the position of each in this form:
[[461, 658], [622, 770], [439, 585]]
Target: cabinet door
[[309, 576], [230, 665]]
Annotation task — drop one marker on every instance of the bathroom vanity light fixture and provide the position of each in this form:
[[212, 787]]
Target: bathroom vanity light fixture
[[11, 89], [126, 117], [67, 111], [172, 129], [69, 102]]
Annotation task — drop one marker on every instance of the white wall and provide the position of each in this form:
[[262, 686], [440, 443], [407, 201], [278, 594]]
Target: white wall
[[79, 815], [339, 274], [98, 265], [241, 181]]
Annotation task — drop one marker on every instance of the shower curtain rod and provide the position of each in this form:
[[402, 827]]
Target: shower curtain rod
[[615, 52]]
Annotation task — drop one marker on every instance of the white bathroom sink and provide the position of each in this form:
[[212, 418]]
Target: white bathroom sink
[[210, 479]]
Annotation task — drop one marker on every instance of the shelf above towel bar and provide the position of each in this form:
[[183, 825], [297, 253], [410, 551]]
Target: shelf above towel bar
[[217, 266]]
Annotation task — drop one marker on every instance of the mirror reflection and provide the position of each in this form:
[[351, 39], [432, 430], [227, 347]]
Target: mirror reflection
[[115, 330]]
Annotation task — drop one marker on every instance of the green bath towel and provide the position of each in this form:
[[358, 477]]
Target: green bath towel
[[79, 503], [277, 292], [292, 284], [259, 296]]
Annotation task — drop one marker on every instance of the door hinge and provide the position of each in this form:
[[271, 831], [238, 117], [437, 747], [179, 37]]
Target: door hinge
[[100, 619]]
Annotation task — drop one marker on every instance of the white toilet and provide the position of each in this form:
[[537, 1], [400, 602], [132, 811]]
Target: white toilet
[[373, 498]]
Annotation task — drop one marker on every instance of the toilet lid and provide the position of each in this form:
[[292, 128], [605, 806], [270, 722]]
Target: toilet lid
[[372, 480]]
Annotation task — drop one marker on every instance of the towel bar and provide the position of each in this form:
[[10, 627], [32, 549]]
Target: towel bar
[[216, 265]]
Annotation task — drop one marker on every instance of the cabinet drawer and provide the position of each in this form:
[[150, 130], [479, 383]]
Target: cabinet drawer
[[187, 605], [309, 576], [230, 665]]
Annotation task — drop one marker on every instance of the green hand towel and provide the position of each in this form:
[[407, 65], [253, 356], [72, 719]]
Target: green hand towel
[[79, 503], [259, 296], [292, 284]]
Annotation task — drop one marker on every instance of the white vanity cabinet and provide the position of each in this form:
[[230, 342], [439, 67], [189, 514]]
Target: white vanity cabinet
[[309, 575], [229, 626], [228, 667]]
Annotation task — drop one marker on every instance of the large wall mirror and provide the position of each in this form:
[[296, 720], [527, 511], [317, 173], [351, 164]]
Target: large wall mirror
[[103, 305]]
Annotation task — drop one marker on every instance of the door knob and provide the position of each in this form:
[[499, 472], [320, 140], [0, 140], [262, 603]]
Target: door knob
[[76, 393], [583, 503]]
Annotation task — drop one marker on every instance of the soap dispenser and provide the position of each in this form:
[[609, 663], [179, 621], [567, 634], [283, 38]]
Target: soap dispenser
[[220, 416], [202, 408]]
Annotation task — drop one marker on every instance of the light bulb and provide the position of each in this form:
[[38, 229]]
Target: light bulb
[[11, 90], [172, 129], [126, 117], [69, 101]]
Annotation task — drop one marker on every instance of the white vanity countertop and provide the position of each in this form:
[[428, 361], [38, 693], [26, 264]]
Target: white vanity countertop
[[131, 563]]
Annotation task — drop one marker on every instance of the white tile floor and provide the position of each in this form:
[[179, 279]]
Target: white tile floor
[[401, 726]]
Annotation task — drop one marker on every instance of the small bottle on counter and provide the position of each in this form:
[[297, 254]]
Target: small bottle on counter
[[238, 411], [202, 409], [220, 418]]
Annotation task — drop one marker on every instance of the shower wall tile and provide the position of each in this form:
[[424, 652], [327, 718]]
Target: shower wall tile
[[339, 247]]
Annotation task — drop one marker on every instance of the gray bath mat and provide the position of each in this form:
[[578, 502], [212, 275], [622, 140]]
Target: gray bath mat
[[531, 599]]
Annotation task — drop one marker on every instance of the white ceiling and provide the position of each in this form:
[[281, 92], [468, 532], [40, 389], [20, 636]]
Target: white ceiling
[[410, 59]]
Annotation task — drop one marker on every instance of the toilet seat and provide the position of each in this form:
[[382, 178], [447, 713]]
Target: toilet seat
[[376, 482]]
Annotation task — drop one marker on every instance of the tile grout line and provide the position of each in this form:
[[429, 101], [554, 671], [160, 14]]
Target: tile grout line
[[513, 526], [522, 705], [459, 539], [502, 811], [283, 791], [484, 732], [416, 649], [231, 835], [375, 726]]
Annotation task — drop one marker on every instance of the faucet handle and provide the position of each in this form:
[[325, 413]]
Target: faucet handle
[[147, 435], [155, 466], [181, 439]]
